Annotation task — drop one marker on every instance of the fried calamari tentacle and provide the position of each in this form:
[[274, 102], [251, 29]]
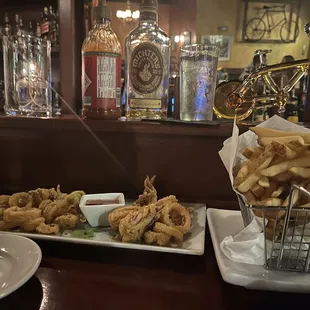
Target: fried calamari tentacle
[[67, 221], [31, 225], [171, 231], [135, 224], [117, 215], [20, 200], [161, 239], [176, 216], [20, 215], [48, 229], [4, 201], [149, 194]]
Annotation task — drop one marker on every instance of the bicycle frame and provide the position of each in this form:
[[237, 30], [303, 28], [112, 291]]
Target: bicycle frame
[[269, 17], [278, 97]]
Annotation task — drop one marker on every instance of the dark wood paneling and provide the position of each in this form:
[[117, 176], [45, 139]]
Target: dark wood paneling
[[115, 157]]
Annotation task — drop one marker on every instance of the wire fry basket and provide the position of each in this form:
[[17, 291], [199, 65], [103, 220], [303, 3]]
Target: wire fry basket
[[286, 232]]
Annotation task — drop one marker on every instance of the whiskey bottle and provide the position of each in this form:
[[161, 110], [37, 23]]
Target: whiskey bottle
[[7, 26], [17, 30], [101, 68], [22, 30], [45, 24], [31, 32], [52, 26], [38, 30], [147, 66]]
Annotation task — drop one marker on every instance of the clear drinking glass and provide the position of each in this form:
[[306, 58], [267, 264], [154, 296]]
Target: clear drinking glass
[[27, 76], [198, 73]]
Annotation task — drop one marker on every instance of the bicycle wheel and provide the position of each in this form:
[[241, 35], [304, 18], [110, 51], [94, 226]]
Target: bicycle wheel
[[284, 32], [255, 29]]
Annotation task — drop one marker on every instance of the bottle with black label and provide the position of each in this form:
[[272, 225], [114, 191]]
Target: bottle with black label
[[147, 66]]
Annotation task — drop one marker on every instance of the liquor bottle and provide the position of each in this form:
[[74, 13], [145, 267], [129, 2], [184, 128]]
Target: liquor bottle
[[45, 24], [22, 30], [38, 30], [7, 26], [101, 68], [147, 66], [52, 26], [17, 30], [31, 32]]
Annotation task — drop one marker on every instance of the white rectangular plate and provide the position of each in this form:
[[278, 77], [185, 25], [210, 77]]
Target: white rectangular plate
[[193, 244], [223, 223]]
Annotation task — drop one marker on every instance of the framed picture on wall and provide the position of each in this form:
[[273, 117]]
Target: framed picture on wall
[[224, 42]]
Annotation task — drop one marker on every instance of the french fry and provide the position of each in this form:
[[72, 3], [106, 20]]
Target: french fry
[[294, 140], [264, 182], [285, 166], [272, 133], [251, 152], [300, 171], [278, 192], [258, 190], [282, 150], [249, 182], [261, 162]]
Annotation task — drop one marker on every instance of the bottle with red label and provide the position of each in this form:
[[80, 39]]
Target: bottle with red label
[[101, 68]]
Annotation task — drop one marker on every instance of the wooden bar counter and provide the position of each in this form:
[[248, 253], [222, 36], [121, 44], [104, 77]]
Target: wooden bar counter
[[115, 156], [39, 153]]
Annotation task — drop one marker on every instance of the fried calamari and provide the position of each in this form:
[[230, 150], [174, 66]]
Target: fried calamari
[[31, 225], [176, 216], [136, 223], [48, 229], [67, 221], [116, 216], [151, 237], [149, 195], [21, 200], [41, 210]]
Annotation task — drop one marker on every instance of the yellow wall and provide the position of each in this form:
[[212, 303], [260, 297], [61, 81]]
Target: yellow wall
[[214, 13]]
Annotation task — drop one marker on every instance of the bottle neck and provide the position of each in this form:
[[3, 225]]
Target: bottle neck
[[148, 15], [101, 23]]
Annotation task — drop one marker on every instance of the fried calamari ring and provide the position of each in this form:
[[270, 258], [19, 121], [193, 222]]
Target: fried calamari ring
[[168, 230], [31, 225], [48, 229], [161, 239], [20, 215], [117, 215], [20, 200], [176, 216]]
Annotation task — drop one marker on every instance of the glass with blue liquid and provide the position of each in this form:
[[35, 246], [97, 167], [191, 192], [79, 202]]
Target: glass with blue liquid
[[198, 76], [27, 76]]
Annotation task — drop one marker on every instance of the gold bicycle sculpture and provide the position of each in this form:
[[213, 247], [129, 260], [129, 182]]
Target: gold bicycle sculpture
[[237, 99]]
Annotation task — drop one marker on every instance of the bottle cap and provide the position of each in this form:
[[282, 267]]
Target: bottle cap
[[149, 4], [101, 10]]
